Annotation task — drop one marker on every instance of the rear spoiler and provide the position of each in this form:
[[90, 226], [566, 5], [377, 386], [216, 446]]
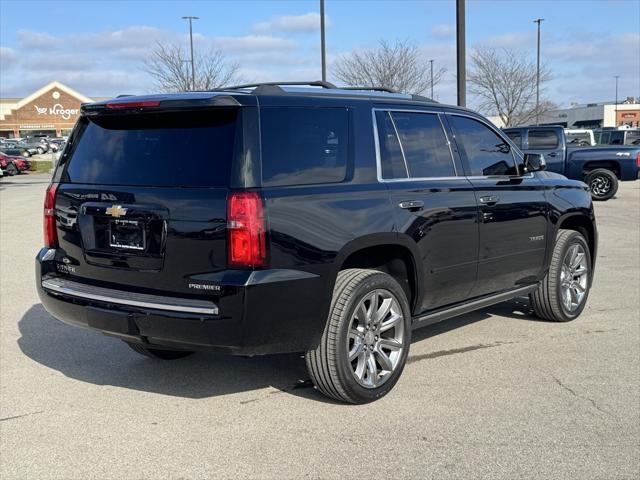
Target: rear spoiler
[[157, 103]]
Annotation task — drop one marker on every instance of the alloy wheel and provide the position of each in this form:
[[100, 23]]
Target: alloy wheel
[[375, 338], [574, 277], [600, 185]]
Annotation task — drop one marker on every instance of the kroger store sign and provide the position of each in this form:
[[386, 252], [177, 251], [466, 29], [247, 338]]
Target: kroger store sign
[[57, 110]]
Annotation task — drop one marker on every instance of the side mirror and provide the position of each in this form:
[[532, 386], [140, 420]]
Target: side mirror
[[534, 162]]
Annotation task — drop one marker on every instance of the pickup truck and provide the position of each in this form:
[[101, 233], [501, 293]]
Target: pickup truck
[[601, 168]]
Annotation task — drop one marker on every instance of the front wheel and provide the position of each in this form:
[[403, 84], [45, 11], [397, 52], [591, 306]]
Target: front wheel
[[602, 183], [366, 340], [40, 150], [562, 294], [11, 170]]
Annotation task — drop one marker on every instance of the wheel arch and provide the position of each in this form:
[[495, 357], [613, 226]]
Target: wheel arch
[[611, 165], [583, 224], [387, 252]]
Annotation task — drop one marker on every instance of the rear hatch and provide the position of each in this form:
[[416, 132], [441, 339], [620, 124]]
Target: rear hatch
[[141, 200]]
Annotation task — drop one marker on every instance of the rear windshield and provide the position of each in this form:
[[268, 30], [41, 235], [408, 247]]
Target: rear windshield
[[181, 149]]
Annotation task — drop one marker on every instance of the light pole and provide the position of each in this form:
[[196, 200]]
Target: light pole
[[322, 46], [431, 71], [538, 21], [193, 69], [615, 122], [461, 54]]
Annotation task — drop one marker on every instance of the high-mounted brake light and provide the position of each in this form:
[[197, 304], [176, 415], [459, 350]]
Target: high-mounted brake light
[[246, 230], [49, 218], [148, 103]]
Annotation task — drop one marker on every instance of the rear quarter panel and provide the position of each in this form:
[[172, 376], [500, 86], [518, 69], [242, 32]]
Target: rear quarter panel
[[624, 157]]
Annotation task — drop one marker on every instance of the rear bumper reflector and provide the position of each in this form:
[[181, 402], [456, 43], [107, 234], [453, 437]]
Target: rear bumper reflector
[[121, 297]]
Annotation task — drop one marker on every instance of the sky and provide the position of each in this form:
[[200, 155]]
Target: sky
[[99, 47]]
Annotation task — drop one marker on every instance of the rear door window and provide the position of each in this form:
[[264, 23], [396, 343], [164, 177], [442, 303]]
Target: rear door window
[[303, 146], [516, 137], [155, 149], [543, 140]]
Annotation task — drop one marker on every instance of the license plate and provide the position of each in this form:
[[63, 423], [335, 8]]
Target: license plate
[[127, 234]]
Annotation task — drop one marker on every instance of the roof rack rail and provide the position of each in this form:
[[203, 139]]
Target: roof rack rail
[[373, 89], [313, 83]]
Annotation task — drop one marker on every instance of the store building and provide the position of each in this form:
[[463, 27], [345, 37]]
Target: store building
[[51, 110], [596, 115]]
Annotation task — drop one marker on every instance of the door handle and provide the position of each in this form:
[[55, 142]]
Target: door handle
[[412, 205], [552, 154], [489, 200]]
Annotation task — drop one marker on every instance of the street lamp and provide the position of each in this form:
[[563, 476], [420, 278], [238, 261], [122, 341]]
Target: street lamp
[[538, 21], [461, 54], [431, 63], [193, 69], [615, 122], [322, 43]]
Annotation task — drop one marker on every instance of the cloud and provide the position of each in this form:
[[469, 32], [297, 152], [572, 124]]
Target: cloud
[[8, 58], [37, 40], [307, 22], [443, 31]]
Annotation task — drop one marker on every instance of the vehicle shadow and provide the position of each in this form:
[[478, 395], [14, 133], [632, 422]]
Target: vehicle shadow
[[94, 358]]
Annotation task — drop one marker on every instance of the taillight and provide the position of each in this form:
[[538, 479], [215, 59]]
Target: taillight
[[246, 231], [49, 223], [638, 160]]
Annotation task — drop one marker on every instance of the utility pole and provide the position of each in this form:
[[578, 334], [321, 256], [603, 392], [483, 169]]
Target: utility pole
[[431, 62], [615, 122], [538, 21], [322, 45], [461, 54], [193, 68]]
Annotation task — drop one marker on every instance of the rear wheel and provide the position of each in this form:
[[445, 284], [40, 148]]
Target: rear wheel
[[366, 340], [158, 352], [602, 183], [11, 169], [563, 293]]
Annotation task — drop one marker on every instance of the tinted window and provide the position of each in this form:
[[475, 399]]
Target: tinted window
[[161, 149], [516, 138], [486, 152], [302, 146], [632, 138], [424, 144], [391, 159], [543, 140]]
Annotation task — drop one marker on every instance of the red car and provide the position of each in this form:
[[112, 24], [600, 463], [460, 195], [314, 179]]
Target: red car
[[12, 165]]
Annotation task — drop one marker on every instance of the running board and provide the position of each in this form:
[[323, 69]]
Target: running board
[[440, 315]]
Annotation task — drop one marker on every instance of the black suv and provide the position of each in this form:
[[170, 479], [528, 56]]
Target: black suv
[[324, 220]]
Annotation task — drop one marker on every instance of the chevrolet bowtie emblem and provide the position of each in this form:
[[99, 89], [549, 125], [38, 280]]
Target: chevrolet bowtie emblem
[[116, 211]]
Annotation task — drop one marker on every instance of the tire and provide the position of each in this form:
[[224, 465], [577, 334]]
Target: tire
[[25, 153], [40, 151], [11, 170], [549, 299], [603, 184], [158, 353], [329, 367]]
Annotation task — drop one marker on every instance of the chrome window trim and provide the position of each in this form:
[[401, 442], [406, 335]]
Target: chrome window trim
[[404, 157], [499, 134], [377, 147]]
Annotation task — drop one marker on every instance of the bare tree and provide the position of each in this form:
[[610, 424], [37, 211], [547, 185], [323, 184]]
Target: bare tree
[[169, 67], [399, 66], [505, 84]]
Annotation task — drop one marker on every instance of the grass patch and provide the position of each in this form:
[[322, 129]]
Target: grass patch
[[41, 166]]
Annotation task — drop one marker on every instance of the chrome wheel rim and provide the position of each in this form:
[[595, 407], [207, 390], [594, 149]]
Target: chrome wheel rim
[[574, 277], [375, 338], [600, 185]]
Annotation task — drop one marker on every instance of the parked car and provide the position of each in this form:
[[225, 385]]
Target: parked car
[[580, 137], [38, 143], [17, 148], [21, 163], [7, 166], [325, 220], [599, 167], [617, 136]]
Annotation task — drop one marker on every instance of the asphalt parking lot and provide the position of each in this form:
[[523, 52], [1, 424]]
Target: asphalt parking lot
[[493, 394]]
